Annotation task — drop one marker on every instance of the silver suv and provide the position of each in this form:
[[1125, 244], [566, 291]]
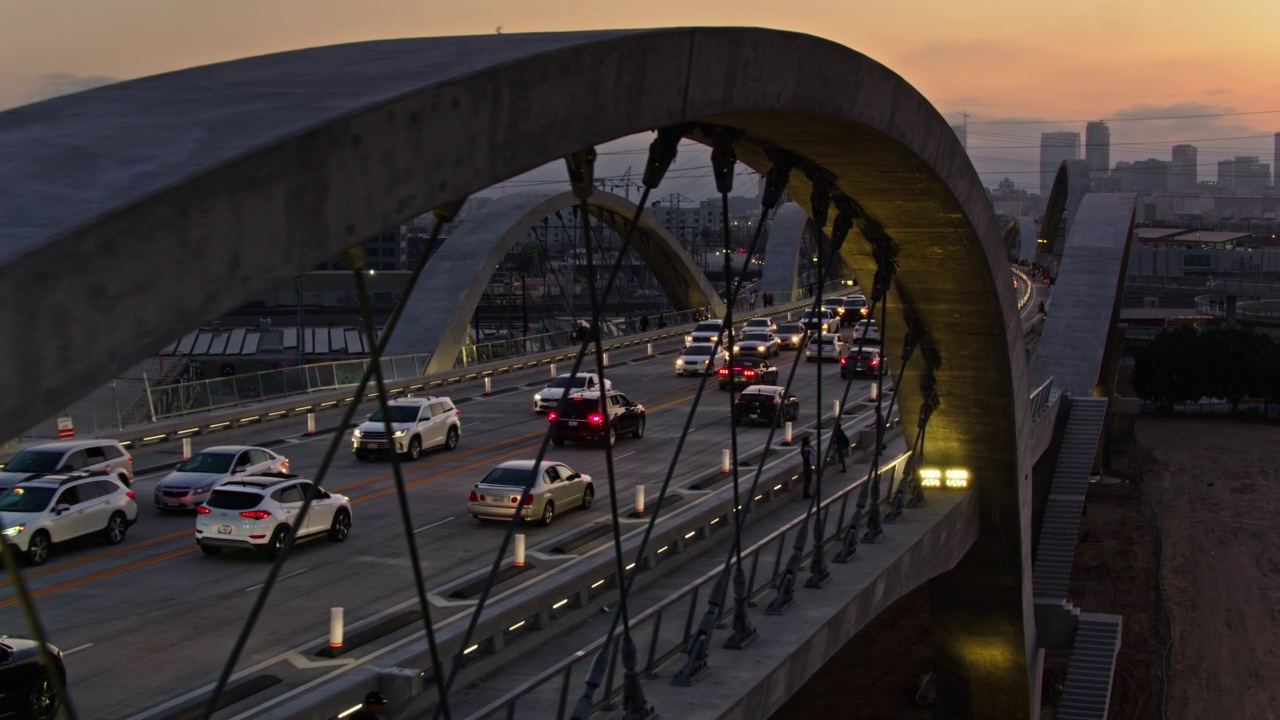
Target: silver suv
[[416, 424], [67, 456], [38, 513]]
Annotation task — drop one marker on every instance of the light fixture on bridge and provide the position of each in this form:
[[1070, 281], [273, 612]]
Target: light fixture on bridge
[[951, 478]]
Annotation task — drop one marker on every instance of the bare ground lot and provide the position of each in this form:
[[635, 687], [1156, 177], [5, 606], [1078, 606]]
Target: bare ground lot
[[1199, 533]]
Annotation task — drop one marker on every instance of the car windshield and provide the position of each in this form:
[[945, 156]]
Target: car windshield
[[832, 302], [399, 414], [507, 477], [34, 461], [580, 408], [26, 499], [707, 327], [564, 382], [208, 463], [698, 350], [825, 340], [855, 302], [756, 337], [748, 363], [756, 399], [790, 329], [233, 500], [758, 322]]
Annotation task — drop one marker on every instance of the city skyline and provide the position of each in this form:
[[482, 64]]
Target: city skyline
[[1159, 78]]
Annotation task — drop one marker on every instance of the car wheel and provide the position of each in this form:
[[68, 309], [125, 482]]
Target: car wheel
[[639, 431], [588, 497], [38, 549], [557, 441], [340, 527], [415, 448], [361, 455], [113, 534], [612, 438], [548, 514], [41, 702], [451, 439], [276, 544], [209, 549]]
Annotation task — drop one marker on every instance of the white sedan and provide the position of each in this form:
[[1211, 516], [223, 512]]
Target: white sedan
[[827, 346], [868, 326], [699, 358], [758, 344]]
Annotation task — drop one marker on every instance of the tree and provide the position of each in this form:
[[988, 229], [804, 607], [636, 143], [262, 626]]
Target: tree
[[1238, 363], [1172, 368]]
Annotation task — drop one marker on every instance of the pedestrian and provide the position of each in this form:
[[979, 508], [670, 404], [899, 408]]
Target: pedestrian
[[662, 321], [840, 442], [1041, 309], [374, 704], [809, 457], [644, 323], [751, 299]]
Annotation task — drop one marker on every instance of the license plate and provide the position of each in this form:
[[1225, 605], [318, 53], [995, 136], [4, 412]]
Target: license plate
[[753, 414], [171, 502], [225, 529], [573, 423]]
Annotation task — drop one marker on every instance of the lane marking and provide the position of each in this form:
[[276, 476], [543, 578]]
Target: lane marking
[[78, 648], [619, 457], [295, 573], [434, 524]]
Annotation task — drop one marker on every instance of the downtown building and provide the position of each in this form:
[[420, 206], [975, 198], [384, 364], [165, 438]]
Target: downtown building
[[1055, 148]]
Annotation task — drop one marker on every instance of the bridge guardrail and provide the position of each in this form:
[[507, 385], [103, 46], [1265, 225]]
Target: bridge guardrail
[[1024, 288], [1041, 399]]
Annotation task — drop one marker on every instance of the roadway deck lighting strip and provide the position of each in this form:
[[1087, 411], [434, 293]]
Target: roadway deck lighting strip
[[695, 532], [517, 626], [560, 604]]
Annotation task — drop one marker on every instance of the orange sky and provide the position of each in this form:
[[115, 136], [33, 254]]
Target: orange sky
[[997, 60]]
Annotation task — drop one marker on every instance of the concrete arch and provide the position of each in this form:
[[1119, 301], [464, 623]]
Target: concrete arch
[[134, 211], [456, 275], [781, 272]]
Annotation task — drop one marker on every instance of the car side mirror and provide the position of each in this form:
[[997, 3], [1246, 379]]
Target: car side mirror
[[67, 468], [575, 476], [240, 468], [61, 508]]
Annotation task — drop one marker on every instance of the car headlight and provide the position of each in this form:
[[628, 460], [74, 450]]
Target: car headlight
[[679, 362], [399, 433], [537, 397], [357, 433], [760, 348], [202, 489], [11, 531]]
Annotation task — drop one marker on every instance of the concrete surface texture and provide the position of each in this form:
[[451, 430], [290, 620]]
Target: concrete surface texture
[[1086, 295], [787, 230], [439, 309], [181, 195]]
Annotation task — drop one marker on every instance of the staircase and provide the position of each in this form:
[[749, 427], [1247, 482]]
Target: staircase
[[1086, 693], [1051, 572]]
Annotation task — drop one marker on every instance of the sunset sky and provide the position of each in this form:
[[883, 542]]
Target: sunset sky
[[1017, 68]]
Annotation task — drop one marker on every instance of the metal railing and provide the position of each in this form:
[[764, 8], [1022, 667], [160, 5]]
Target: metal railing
[[1216, 306], [170, 401], [663, 631], [1041, 399]]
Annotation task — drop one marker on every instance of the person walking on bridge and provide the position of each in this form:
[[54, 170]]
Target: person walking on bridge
[[809, 458], [840, 444]]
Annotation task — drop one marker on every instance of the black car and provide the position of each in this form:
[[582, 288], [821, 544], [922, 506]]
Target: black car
[[767, 404], [581, 417], [745, 372], [27, 690], [867, 362]]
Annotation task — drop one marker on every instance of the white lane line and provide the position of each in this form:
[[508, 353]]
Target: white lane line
[[619, 457], [472, 424], [296, 573], [434, 524], [78, 648]]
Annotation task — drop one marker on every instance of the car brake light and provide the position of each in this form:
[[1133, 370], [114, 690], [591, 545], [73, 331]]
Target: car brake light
[[285, 465], [473, 497], [457, 413], [723, 371], [551, 416], [875, 362], [202, 510], [256, 514], [595, 419], [844, 361], [129, 458], [129, 493], [528, 499], [749, 373]]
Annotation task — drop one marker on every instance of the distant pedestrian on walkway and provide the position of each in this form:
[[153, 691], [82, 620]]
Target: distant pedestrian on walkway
[[840, 443], [644, 323], [809, 457]]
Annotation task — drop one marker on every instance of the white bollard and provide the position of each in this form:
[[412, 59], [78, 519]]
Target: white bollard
[[639, 500], [648, 348], [186, 448], [786, 433], [606, 359], [875, 392], [519, 549], [835, 409], [488, 385], [553, 371], [335, 627], [311, 423], [724, 461]]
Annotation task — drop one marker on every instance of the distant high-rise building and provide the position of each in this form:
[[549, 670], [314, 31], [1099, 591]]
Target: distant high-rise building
[[962, 132], [1055, 147], [1183, 175], [1144, 176], [1243, 175], [1097, 148]]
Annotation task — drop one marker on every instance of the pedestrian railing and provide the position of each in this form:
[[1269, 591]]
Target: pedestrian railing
[[1041, 399]]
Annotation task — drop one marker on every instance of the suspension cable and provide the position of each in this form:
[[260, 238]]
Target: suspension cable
[[443, 215]]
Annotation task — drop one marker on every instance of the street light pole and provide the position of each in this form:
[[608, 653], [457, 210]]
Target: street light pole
[[302, 347]]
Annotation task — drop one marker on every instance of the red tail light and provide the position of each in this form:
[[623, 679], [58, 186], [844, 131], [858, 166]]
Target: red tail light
[[285, 465], [749, 373], [129, 493], [528, 499], [457, 413], [723, 371], [551, 416], [129, 458], [844, 361], [473, 497], [202, 510], [256, 514], [595, 419], [875, 362]]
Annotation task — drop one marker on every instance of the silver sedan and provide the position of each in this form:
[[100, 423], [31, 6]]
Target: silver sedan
[[699, 358], [189, 485], [758, 344], [555, 487]]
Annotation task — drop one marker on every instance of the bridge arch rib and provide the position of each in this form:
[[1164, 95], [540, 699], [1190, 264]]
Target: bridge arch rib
[[229, 179], [457, 274]]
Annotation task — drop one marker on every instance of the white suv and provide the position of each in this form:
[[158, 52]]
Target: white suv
[[548, 397], [416, 424], [259, 512], [68, 456], [38, 513]]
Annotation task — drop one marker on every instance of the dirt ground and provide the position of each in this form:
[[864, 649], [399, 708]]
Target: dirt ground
[[1191, 530]]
